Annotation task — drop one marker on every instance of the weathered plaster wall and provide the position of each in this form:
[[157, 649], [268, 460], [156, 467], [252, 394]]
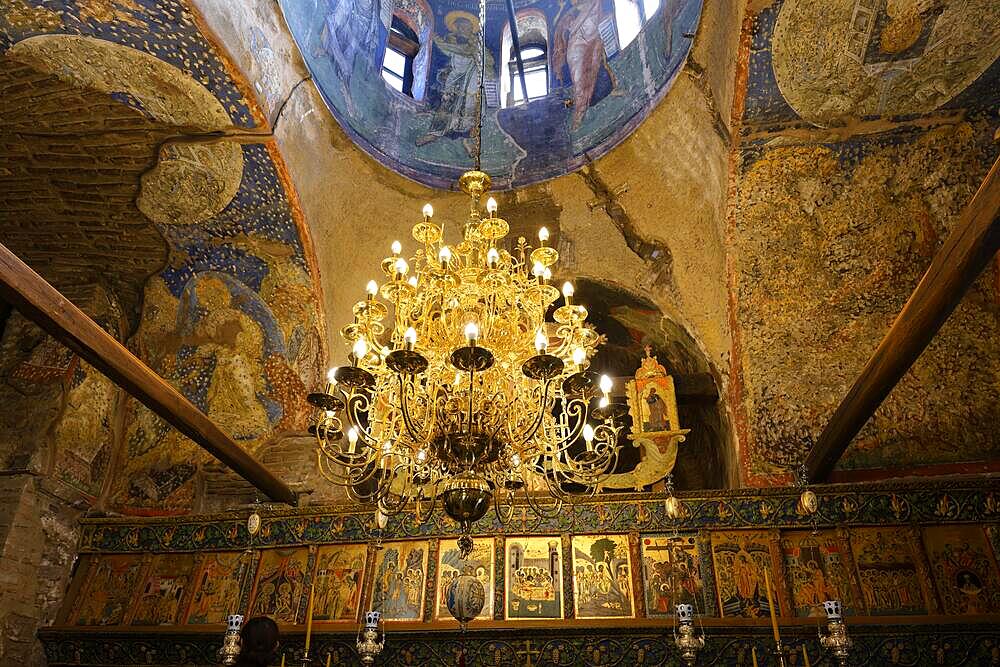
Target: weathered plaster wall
[[59, 429], [852, 169]]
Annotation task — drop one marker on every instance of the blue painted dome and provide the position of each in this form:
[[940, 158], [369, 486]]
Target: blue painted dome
[[402, 78]]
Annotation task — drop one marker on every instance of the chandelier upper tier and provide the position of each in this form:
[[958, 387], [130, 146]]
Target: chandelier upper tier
[[458, 388]]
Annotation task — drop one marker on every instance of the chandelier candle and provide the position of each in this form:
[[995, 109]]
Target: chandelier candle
[[475, 391]]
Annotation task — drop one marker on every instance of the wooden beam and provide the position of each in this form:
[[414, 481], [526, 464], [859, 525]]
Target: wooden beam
[[45, 306], [968, 249]]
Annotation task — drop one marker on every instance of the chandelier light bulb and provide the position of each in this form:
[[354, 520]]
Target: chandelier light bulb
[[492, 258], [472, 332], [606, 385], [604, 402], [579, 356], [428, 211], [457, 379], [547, 274], [413, 282], [538, 269], [543, 235], [491, 206], [385, 351], [444, 255], [331, 376], [568, 291], [588, 433], [372, 289], [421, 455], [352, 439], [328, 414], [541, 341], [397, 247], [410, 338], [360, 349], [515, 461], [401, 267]]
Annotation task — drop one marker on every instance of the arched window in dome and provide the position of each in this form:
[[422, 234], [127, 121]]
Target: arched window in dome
[[630, 16], [401, 50], [533, 37]]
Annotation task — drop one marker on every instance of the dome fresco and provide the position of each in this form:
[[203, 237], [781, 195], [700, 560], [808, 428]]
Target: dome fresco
[[401, 77]]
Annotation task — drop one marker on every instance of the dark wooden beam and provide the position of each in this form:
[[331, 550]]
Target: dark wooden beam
[[37, 300], [966, 251]]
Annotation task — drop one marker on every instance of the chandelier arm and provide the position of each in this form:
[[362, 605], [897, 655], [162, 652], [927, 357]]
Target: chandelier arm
[[540, 419], [354, 403], [538, 509], [500, 516], [412, 429], [574, 407]]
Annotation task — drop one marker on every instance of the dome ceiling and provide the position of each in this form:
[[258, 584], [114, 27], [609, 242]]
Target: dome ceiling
[[401, 77]]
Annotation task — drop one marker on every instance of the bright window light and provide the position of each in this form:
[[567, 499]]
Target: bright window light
[[628, 21]]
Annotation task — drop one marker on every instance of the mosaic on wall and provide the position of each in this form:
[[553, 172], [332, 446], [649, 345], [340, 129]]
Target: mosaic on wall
[[601, 79], [866, 128], [232, 320]]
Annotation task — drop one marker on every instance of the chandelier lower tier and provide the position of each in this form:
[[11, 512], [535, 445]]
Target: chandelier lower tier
[[459, 390]]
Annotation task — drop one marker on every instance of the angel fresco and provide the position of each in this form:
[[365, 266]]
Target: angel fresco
[[350, 28], [579, 48], [458, 82]]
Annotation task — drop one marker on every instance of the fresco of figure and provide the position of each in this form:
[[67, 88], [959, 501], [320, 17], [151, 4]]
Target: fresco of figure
[[458, 81], [578, 47], [350, 27]]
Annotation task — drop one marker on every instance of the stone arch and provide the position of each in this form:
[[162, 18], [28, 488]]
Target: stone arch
[[706, 459]]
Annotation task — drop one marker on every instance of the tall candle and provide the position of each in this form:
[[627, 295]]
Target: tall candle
[[753, 654], [805, 657], [328, 658], [309, 617], [770, 605], [282, 660]]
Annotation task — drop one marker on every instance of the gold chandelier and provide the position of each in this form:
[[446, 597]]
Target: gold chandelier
[[468, 393], [458, 388]]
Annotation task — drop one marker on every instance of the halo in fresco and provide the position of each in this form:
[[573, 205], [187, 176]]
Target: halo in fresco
[[599, 89], [835, 58]]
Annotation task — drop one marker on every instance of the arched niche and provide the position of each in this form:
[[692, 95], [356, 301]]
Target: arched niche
[[630, 322]]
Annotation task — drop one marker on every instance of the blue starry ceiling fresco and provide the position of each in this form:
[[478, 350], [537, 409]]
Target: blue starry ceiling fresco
[[232, 319], [594, 78]]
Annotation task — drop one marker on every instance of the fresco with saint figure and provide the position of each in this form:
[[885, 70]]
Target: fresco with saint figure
[[533, 575], [671, 573], [340, 574], [602, 577], [606, 65], [400, 573], [964, 569], [451, 565], [164, 593], [109, 589], [817, 570], [280, 590], [217, 583], [741, 558]]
